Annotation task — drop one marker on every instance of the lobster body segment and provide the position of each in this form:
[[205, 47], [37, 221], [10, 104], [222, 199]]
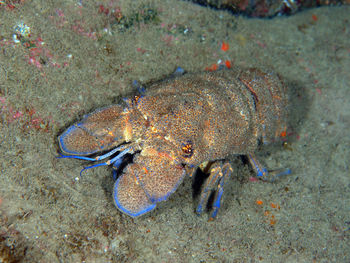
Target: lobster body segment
[[178, 125]]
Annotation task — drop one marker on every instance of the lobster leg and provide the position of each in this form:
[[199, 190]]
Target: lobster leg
[[263, 173], [215, 182]]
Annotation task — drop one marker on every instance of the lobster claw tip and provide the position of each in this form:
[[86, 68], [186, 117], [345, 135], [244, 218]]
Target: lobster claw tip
[[146, 182], [76, 141], [98, 131], [130, 198]]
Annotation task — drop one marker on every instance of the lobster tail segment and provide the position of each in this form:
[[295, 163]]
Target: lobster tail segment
[[270, 98]]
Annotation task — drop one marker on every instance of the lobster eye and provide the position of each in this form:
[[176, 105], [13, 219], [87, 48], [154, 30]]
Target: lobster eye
[[187, 149]]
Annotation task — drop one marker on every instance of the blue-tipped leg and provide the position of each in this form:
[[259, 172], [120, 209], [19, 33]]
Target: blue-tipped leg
[[179, 72], [263, 173], [215, 183]]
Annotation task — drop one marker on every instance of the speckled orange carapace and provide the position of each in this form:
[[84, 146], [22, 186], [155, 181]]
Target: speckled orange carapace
[[178, 125]]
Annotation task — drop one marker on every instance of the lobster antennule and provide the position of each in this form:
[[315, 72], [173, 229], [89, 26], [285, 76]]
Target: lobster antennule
[[98, 131]]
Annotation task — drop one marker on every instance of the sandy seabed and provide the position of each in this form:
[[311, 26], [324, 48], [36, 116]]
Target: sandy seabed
[[79, 57]]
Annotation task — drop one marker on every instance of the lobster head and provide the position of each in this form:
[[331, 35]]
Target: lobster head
[[155, 172]]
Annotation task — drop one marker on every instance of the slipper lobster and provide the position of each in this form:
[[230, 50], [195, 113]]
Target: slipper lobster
[[178, 125]]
